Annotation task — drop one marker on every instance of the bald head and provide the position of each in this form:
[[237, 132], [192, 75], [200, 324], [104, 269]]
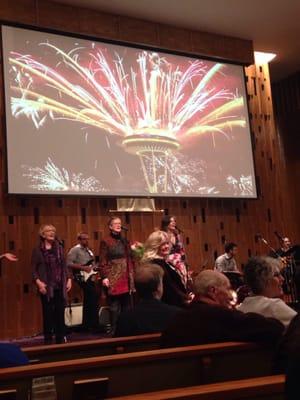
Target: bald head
[[213, 287]]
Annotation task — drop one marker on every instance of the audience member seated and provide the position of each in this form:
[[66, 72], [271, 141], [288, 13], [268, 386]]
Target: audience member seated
[[150, 315], [262, 275], [209, 319], [11, 356]]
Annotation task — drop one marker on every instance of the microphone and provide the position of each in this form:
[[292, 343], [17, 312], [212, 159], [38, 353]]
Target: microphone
[[124, 228], [60, 242]]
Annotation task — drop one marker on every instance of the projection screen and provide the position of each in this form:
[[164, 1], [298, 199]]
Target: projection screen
[[93, 118]]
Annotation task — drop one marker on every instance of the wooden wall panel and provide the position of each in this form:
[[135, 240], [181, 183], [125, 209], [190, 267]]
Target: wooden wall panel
[[287, 113], [207, 223], [21, 11]]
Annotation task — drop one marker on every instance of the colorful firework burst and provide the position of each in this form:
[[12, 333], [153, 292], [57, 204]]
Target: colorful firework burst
[[54, 178], [153, 105]]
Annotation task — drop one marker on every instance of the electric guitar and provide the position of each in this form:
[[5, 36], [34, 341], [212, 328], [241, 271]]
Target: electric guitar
[[87, 275], [84, 276]]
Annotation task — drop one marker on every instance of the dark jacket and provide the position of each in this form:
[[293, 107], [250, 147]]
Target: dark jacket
[[204, 323], [39, 268], [11, 356], [149, 316], [175, 292]]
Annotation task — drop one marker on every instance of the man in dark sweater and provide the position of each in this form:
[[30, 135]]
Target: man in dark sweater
[[150, 315], [210, 319]]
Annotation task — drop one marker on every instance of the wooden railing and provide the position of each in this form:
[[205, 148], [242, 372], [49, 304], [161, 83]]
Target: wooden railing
[[92, 348]]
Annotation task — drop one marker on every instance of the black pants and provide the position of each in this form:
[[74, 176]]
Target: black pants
[[90, 305], [54, 316], [118, 304]]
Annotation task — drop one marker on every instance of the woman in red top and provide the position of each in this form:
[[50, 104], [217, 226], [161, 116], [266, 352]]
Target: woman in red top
[[116, 269]]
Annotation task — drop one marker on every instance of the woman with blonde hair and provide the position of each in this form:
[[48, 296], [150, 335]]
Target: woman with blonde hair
[[53, 281], [157, 248]]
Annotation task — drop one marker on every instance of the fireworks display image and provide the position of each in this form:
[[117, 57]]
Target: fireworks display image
[[127, 120]]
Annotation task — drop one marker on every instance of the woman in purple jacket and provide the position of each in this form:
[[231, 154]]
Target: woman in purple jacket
[[53, 281]]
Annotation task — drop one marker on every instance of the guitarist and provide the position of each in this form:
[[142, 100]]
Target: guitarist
[[82, 261], [289, 271]]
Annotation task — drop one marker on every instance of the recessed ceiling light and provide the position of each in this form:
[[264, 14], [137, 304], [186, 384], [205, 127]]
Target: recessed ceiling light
[[263, 58]]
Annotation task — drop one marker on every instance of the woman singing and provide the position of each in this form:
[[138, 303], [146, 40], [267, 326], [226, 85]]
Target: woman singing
[[176, 256], [116, 268], [53, 281]]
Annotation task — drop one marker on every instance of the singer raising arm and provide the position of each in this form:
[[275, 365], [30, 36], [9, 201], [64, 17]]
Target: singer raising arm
[[8, 257]]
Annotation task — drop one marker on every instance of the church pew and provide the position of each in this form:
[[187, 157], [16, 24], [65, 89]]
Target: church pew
[[90, 389], [92, 348], [263, 388], [8, 394], [152, 370]]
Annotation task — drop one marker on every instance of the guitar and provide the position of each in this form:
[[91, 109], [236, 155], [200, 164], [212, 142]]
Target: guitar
[[94, 270], [84, 276]]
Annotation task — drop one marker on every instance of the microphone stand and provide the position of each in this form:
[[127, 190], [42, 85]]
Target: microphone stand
[[269, 246], [128, 260]]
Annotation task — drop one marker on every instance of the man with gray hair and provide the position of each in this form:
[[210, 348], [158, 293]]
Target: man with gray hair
[[209, 318]]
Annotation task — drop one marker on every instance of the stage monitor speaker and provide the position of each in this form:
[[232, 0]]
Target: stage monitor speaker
[[105, 318], [73, 314]]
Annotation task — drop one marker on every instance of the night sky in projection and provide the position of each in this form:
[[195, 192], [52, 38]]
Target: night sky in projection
[[87, 117]]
